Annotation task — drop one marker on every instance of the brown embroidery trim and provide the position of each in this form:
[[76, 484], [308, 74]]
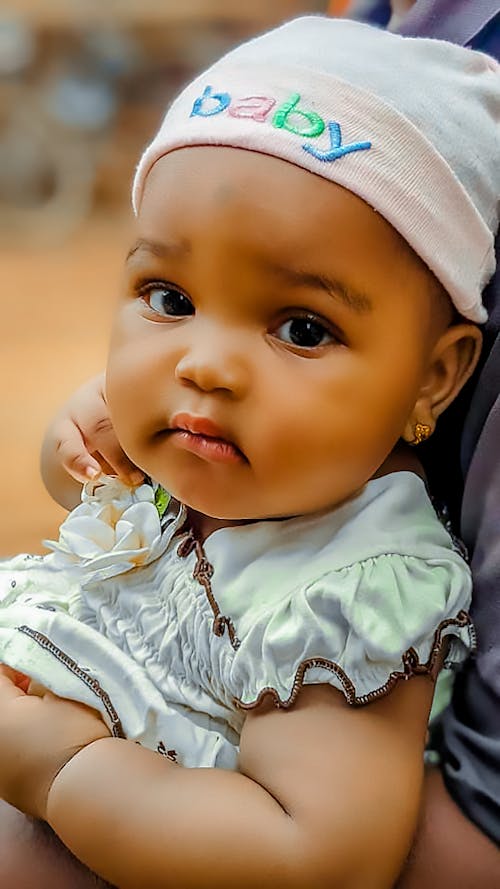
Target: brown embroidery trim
[[203, 571], [186, 546], [70, 664], [170, 754], [411, 667]]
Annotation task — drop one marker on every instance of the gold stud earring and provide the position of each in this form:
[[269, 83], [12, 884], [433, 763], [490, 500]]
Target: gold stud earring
[[420, 433]]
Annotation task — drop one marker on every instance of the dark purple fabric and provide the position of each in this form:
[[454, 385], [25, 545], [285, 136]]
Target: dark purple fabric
[[470, 736], [470, 728], [470, 741], [456, 20]]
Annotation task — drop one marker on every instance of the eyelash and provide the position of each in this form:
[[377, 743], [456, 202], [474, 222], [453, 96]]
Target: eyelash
[[144, 289], [316, 324]]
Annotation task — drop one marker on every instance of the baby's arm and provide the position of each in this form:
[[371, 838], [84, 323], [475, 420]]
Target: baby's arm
[[79, 443], [327, 796]]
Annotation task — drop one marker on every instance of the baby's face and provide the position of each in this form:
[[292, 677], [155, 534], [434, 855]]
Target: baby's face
[[271, 340]]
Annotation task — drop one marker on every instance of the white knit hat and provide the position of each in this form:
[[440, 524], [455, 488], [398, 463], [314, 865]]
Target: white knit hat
[[410, 125]]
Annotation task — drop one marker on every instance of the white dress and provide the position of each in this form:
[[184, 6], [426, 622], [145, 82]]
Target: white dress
[[173, 641]]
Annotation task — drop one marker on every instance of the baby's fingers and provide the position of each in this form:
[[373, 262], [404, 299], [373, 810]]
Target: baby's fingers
[[12, 682], [105, 448], [73, 453]]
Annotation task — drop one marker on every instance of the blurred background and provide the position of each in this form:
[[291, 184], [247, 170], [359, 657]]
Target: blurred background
[[83, 86]]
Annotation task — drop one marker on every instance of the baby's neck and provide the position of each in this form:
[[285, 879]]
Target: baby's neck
[[204, 525], [401, 459]]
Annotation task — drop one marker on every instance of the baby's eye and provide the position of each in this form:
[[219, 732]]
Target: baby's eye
[[166, 300], [306, 332]]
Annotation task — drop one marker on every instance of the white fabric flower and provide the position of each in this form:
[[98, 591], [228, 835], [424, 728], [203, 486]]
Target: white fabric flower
[[114, 529]]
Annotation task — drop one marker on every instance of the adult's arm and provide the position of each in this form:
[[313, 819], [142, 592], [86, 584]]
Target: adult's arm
[[450, 852]]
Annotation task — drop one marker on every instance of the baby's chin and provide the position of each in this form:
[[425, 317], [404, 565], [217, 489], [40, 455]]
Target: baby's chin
[[209, 516], [221, 513], [224, 502], [216, 512]]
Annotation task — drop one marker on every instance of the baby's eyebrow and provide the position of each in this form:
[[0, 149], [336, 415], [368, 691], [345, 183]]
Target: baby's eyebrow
[[350, 296], [160, 249]]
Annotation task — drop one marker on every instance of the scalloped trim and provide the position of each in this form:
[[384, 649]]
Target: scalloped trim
[[411, 667]]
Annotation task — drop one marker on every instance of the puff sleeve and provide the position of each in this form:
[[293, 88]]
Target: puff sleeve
[[361, 629]]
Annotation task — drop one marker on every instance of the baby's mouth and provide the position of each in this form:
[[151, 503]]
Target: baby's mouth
[[203, 437], [214, 450]]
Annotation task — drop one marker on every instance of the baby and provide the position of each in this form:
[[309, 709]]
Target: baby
[[300, 305]]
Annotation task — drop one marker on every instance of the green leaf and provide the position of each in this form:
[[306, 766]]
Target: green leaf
[[162, 499]]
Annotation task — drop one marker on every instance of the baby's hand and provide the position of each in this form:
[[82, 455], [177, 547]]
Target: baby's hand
[[39, 734], [80, 443]]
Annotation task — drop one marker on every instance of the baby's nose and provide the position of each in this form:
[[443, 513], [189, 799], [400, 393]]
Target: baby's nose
[[212, 363]]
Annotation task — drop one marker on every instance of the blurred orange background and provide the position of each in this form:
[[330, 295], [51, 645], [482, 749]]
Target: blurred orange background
[[82, 88]]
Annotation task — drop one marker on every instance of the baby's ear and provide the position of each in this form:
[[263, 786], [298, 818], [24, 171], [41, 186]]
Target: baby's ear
[[452, 362]]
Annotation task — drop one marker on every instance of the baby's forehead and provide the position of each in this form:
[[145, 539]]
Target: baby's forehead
[[196, 180], [259, 216]]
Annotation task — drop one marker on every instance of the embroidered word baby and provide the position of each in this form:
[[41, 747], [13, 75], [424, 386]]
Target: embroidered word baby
[[287, 116]]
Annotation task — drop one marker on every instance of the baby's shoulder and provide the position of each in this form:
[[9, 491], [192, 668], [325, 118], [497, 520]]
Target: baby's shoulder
[[356, 598], [391, 526]]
